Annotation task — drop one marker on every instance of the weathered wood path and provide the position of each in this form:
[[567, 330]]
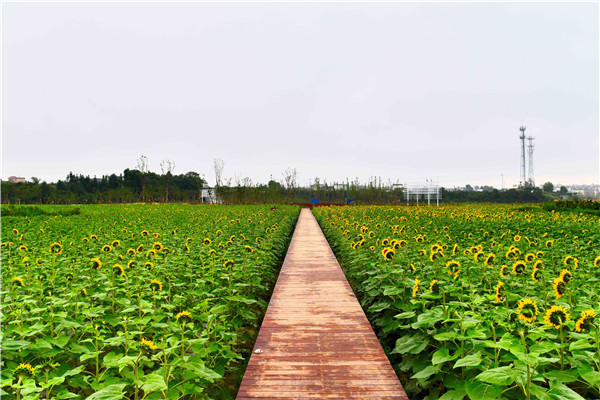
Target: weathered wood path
[[315, 341]]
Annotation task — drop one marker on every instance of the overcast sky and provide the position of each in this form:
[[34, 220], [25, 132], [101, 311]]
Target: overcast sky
[[402, 91]]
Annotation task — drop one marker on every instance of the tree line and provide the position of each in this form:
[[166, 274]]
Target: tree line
[[131, 186], [136, 185]]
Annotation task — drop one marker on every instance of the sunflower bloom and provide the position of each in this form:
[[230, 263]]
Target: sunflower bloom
[[586, 320], [519, 268], [206, 242], [156, 285], [96, 263], [559, 287], [388, 253], [148, 345], [56, 248], [118, 270], [248, 249], [499, 292], [416, 288], [184, 316], [556, 316], [568, 260], [527, 310], [24, 370], [565, 276], [489, 261], [536, 274], [18, 281]]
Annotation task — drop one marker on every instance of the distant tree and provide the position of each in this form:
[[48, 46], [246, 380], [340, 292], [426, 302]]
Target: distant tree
[[35, 180], [142, 166], [563, 190], [167, 167], [548, 187], [219, 165], [469, 188]]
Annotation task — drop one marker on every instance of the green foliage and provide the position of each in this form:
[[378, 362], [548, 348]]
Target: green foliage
[[450, 310], [138, 301], [31, 211]]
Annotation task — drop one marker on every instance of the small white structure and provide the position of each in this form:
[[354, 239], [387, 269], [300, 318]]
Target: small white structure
[[209, 196], [427, 190], [16, 179]]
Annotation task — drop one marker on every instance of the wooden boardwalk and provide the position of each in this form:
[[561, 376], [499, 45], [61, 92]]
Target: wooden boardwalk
[[315, 341]]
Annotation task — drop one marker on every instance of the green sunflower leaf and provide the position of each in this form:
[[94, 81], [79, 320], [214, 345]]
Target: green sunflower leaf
[[502, 376], [111, 392], [471, 360], [481, 391]]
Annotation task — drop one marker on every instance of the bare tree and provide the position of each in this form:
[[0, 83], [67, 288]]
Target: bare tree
[[219, 165], [247, 182], [169, 167], [289, 176], [142, 166]]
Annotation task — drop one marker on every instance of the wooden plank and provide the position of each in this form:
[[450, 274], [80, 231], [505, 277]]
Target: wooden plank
[[315, 341]]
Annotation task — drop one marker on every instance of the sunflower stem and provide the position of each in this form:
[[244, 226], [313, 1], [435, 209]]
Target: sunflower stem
[[496, 350], [527, 390], [562, 350], [182, 337]]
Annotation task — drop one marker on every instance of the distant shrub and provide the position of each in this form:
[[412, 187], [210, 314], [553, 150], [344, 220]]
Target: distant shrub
[[31, 211]]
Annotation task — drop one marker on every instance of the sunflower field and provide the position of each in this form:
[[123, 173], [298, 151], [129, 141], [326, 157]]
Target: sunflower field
[[477, 301], [136, 301]]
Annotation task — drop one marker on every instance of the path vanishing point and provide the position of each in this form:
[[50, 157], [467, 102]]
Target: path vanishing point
[[315, 341]]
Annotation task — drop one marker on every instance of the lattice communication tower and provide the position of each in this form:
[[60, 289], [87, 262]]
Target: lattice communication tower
[[530, 147], [523, 181]]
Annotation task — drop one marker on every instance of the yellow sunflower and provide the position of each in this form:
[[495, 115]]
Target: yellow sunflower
[[118, 270], [586, 320], [184, 316], [156, 285], [56, 248], [519, 268], [527, 310], [559, 287], [24, 371], [388, 253], [556, 316], [499, 292], [96, 263], [148, 345], [566, 276], [416, 288]]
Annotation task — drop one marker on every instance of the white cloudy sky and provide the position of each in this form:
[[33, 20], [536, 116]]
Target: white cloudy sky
[[404, 91]]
